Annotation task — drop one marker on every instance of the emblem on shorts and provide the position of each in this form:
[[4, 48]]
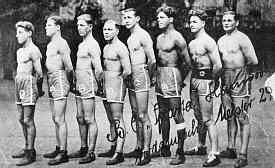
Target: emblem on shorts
[[22, 94], [81, 88], [202, 73], [52, 89]]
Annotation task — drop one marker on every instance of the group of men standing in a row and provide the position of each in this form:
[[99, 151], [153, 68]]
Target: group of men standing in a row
[[134, 67]]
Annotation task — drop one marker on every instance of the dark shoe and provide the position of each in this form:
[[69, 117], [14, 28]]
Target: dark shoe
[[212, 160], [19, 154], [133, 154], [164, 152], [52, 154], [87, 159], [62, 157], [29, 157], [179, 159], [109, 153], [202, 150], [144, 159], [118, 158], [229, 153], [242, 161], [80, 153]]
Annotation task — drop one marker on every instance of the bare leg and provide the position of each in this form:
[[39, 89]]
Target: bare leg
[[83, 127], [30, 126], [52, 108], [110, 119], [21, 121], [89, 110], [61, 125]]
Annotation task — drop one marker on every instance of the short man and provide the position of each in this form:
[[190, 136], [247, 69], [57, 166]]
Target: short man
[[88, 58], [237, 52], [172, 54], [205, 74], [58, 60], [117, 67], [28, 88], [142, 58]]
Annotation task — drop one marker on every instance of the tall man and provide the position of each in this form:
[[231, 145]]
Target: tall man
[[142, 58], [172, 55], [88, 58], [28, 88], [58, 60], [117, 67], [205, 74], [237, 52]]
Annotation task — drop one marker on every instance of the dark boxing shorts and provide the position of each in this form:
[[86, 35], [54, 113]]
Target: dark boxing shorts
[[236, 82], [169, 82], [139, 79], [86, 84], [58, 85], [26, 92]]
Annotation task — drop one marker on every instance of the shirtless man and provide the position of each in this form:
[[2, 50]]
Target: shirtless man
[[237, 52], [88, 58], [28, 88], [58, 60], [142, 58], [117, 67], [172, 54], [205, 74]]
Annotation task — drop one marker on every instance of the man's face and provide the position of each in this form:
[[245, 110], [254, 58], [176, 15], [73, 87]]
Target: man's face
[[109, 31], [22, 35], [51, 27], [229, 23], [83, 27], [163, 20], [129, 19], [196, 24]]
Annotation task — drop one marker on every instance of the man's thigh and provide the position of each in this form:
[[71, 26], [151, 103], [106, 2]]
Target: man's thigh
[[206, 108], [240, 109], [142, 101]]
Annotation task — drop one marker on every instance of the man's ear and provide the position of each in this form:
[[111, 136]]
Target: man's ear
[[58, 27], [171, 19], [237, 23], [203, 22], [90, 26], [138, 18]]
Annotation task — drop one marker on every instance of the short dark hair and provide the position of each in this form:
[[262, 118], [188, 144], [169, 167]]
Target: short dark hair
[[86, 17], [168, 10], [58, 20], [230, 12], [129, 10], [28, 26], [199, 13]]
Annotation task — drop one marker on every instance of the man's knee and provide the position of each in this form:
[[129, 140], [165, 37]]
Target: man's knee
[[27, 121], [58, 120], [80, 120], [89, 120], [208, 122], [244, 118]]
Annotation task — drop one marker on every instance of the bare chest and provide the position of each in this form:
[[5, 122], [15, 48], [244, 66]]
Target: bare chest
[[23, 56]]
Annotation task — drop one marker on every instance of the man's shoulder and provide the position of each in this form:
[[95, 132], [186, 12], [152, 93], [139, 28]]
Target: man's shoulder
[[242, 36]]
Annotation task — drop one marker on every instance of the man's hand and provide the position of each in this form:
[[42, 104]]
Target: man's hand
[[72, 81], [39, 87], [215, 84]]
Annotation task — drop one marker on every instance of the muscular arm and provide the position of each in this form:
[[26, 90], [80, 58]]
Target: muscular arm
[[147, 44], [214, 56], [36, 59], [95, 53], [124, 60], [65, 52], [184, 55], [248, 51]]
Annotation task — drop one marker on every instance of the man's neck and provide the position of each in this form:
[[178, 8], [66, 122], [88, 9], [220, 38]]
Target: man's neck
[[134, 28], [199, 33], [168, 29], [113, 41], [231, 32], [27, 43], [88, 36], [56, 36]]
